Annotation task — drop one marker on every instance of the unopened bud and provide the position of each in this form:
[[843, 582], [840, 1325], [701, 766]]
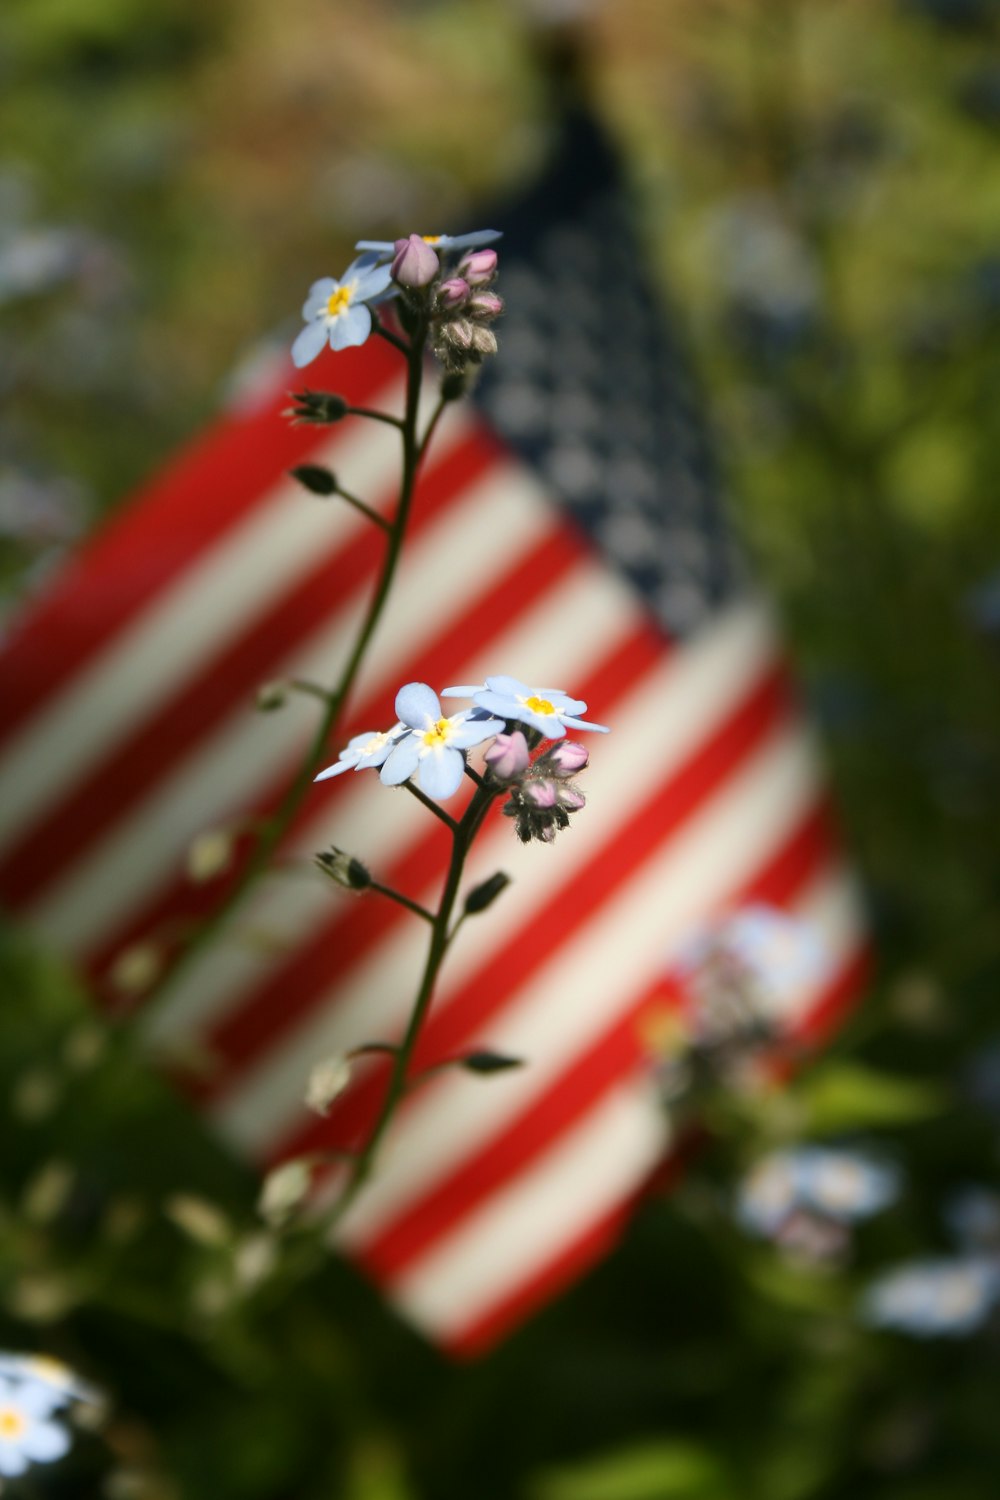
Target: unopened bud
[[209, 854], [453, 292], [136, 968], [283, 1191], [541, 793], [571, 798], [508, 755], [490, 1062], [327, 1080], [485, 305], [484, 340], [200, 1220], [478, 267], [272, 696], [414, 264], [565, 758], [482, 896], [317, 406], [344, 869], [315, 478], [458, 333]]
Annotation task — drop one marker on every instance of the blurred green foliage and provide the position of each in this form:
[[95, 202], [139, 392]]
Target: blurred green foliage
[[820, 190]]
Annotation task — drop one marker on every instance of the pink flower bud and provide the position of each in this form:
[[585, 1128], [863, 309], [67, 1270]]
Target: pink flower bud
[[540, 793], [459, 333], [566, 758], [485, 305], [414, 263], [478, 267], [484, 341], [453, 292], [508, 755], [571, 798]]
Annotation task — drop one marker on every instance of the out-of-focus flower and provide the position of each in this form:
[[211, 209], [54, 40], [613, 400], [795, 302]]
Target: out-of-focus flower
[[63, 1384], [386, 249], [28, 1435], [432, 747], [327, 1081], [548, 710], [284, 1189], [837, 1185], [337, 312], [934, 1298], [414, 263], [364, 751]]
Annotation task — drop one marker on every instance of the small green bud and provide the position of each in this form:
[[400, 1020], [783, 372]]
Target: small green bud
[[344, 869], [272, 696], [490, 1062], [315, 478], [482, 896]]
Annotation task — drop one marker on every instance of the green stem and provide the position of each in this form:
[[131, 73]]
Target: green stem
[[274, 828], [401, 900], [365, 510], [462, 838]]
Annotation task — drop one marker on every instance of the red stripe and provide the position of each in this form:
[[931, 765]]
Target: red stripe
[[445, 654], [154, 538], [488, 1326], [618, 1051], [222, 684], [481, 1333], [487, 989], [302, 983]]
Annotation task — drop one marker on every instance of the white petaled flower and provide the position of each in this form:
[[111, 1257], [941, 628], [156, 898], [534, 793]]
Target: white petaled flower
[[549, 710], [365, 751], [338, 312], [28, 1435], [433, 747]]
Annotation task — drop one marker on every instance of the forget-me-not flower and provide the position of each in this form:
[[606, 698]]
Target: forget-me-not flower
[[28, 1435], [432, 746], [934, 1298], [338, 312], [63, 1385], [548, 710], [366, 750], [839, 1185], [387, 248]]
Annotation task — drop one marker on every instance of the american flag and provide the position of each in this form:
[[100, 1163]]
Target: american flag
[[568, 528]]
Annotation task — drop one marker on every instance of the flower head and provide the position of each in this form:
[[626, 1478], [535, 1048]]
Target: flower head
[[386, 249], [837, 1185], [432, 747], [364, 751], [548, 710], [28, 1435], [337, 312]]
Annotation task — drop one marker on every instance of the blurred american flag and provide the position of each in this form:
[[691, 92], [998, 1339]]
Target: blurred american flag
[[568, 528]]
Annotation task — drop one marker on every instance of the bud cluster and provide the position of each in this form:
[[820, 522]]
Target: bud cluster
[[542, 795], [460, 301]]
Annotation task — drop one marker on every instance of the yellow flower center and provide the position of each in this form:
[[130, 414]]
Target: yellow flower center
[[12, 1423], [339, 301], [539, 705], [431, 239], [438, 735]]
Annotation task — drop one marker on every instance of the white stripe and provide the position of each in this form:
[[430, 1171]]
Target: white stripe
[[214, 600], [366, 1002], [527, 1225], [594, 978], [678, 704], [224, 772]]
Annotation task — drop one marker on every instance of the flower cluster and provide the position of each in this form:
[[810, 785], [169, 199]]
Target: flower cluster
[[32, 1390], [431, 748], [456, 300], [805, 1198]]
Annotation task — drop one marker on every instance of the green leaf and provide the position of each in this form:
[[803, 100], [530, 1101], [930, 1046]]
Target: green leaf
[[848, 1096], [652, 1471]]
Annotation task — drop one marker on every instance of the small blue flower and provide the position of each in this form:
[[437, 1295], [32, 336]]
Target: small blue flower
[[844, 1185], [338, 312], [934, 1298], [768, 1195], [548, 710], [386, 249], [432, 746], [58, 1379], [365, 750], [28, 1435]]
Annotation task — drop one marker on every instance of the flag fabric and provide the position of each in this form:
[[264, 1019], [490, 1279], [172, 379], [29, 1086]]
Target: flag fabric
[[567, 528]]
